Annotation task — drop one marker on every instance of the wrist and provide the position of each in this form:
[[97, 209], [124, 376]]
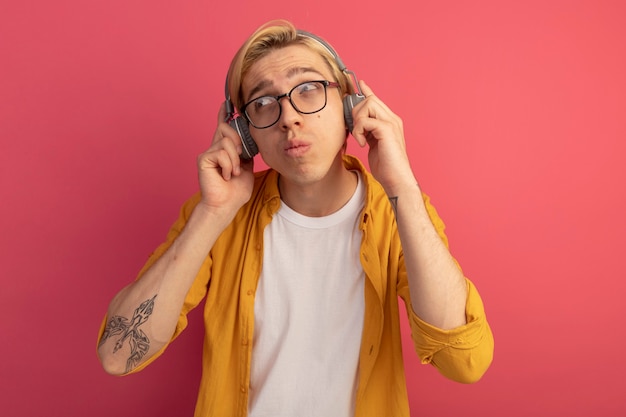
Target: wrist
[[403, 189], [205, 216]]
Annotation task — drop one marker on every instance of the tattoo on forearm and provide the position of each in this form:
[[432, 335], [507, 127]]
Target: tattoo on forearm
[[139, 342], [394, 204]]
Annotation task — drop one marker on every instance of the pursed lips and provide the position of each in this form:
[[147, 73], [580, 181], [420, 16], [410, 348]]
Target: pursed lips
[[296, 148]]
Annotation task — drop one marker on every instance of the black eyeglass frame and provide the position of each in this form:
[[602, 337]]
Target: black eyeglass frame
[[325, 83]]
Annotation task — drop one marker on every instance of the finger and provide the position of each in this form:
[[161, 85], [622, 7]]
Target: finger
[[365, 130], [367, 91], [368, 130], [368, 119], [233, 150], [226, 164], [223, 155], [226, 133], [218, 160]]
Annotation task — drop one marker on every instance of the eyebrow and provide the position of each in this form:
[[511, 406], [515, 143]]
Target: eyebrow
[[291, 73]]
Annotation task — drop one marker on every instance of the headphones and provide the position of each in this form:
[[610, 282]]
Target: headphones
[[240, 124]]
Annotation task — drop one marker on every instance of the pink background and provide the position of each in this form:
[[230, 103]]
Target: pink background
[[514, 113]]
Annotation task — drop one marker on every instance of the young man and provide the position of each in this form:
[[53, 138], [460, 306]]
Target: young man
[[302, 265]]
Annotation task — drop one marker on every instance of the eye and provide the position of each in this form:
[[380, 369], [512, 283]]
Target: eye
[[263, 102], [308, 87]]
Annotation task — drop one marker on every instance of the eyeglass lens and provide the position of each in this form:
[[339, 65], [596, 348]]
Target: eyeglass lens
[[308, 97]]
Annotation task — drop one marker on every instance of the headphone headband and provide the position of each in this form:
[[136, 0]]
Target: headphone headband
[[327, 46]]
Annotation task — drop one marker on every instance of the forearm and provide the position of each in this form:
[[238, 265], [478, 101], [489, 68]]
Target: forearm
[[143, 316], [437, 286]]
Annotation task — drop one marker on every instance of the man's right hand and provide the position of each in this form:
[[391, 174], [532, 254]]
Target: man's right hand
[[225, 179]]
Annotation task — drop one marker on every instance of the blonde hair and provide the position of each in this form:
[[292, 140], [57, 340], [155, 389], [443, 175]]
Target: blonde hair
[[271, 36]]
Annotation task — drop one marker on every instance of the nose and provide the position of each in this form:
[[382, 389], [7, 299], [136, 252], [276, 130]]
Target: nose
[[288, 113]]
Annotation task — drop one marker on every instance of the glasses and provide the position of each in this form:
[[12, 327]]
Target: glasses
[[307, 98]]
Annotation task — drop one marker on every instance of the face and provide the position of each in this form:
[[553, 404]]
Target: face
[[303, 148]]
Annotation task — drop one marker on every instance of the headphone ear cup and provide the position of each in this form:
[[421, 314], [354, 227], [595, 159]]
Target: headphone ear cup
[[247, 143], [348, 104]]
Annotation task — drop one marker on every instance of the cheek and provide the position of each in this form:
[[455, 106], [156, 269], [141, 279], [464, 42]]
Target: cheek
[[339, 123], [334, 116], [267, 145]]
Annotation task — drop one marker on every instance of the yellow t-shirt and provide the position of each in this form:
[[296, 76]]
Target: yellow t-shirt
[[228, 280]]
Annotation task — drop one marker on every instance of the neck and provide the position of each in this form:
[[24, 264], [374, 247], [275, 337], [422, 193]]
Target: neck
[[322, 197]]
